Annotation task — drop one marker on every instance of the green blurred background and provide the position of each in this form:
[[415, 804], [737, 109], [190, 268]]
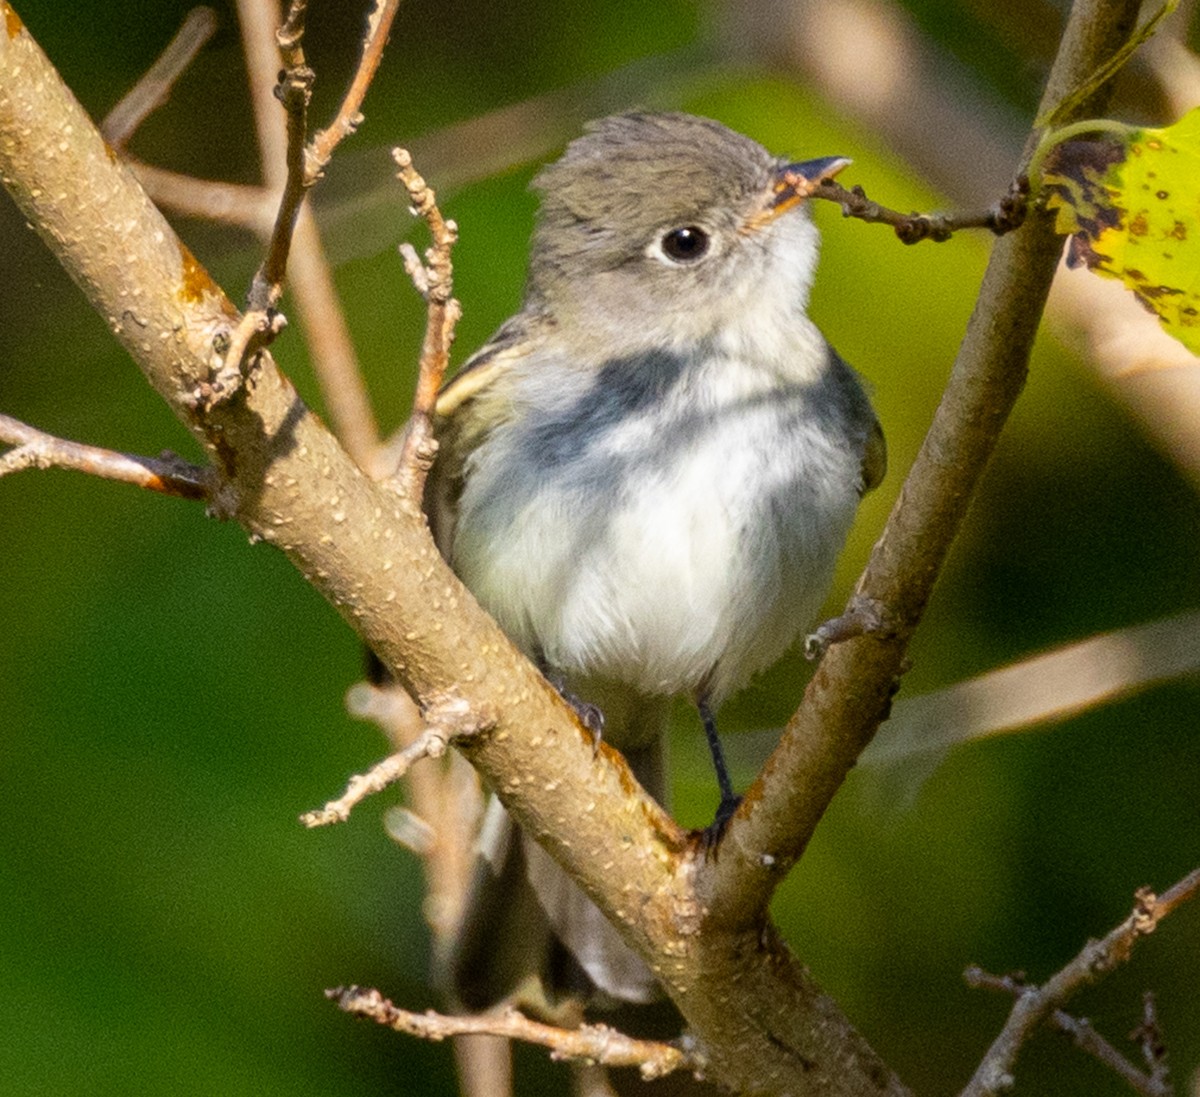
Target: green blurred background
[[171, 697]]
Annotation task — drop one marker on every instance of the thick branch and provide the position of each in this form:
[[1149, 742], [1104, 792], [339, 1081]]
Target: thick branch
[[286, 480], [851, 692]]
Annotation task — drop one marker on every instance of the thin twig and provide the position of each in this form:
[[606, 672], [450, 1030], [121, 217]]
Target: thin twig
[[261, 322], [1154, 1049], [167, 474], [446, 798], [1004, 216], [1049, 686], [435, 283], [239, 204], [153, 89], [313, 295], [592, 1043], [349, 115], [294, 91], [1084, 1036], [1079, 1030], [1034, 1005], [447, 716], [305, 164], [430, 745]]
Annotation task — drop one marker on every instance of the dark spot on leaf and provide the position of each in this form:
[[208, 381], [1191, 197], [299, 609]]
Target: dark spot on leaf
[[1081, 253], [1179, 231], [1162, 195], [1139, 226]]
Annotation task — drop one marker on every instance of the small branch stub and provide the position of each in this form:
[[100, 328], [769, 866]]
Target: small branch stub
[[863, 617]]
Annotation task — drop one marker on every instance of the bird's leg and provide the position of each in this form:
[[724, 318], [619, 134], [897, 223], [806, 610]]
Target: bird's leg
[[711, 837]]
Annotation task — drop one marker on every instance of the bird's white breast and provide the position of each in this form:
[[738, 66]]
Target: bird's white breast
[[673, 527]]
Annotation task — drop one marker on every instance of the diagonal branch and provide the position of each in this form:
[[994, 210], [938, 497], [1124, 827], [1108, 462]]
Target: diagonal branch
[[152, 90], [760, 1020], [851, 692], [1034, 1005]]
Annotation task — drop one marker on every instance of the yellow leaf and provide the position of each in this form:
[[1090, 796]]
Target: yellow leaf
[[1130, 200]]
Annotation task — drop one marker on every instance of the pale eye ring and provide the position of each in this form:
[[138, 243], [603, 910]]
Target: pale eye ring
[[685, 244]]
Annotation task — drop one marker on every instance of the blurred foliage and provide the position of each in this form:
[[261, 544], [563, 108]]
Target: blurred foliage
[[171, 696]]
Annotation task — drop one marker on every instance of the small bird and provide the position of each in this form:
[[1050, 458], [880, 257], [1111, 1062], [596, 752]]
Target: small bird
[[646, 477]]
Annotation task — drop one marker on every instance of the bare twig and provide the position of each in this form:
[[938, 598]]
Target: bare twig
[[1078, 1029], [1034, 1005], [1154, 1049], [153, 89], [239, 204], [446, 717], [261, 323], [430, 745], [1048, 686], [349, 116], [592, 1043], [167, 474], [1085, 1037], [320, 313], [1004, 216], [446, 799], [294, 91], [436, 285]]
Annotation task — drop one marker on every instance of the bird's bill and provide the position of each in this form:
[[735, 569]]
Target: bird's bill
[[795, 182]]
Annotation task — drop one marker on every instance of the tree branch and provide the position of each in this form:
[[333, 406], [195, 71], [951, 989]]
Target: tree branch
[[760, 1021], [35, 449], [850, 694], [594, 1043], [321, 316], [1035, 1004], [435, 283], [152, 90]]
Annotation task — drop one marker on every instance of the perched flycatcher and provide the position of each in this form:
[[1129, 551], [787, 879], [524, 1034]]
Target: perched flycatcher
[[645, 477]]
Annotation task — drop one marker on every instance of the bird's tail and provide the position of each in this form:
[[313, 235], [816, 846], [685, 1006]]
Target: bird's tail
[[529, 935]]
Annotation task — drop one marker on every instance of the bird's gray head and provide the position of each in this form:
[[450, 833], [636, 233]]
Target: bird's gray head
[[667, 228]]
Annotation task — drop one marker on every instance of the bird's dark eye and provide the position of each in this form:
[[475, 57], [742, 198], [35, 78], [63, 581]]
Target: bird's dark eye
[[685, 244]]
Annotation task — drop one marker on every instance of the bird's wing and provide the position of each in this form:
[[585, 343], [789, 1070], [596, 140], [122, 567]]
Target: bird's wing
[[469, 407], [874, 462]]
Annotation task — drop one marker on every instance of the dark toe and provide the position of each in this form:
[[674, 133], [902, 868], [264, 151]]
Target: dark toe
[[710, 837]]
